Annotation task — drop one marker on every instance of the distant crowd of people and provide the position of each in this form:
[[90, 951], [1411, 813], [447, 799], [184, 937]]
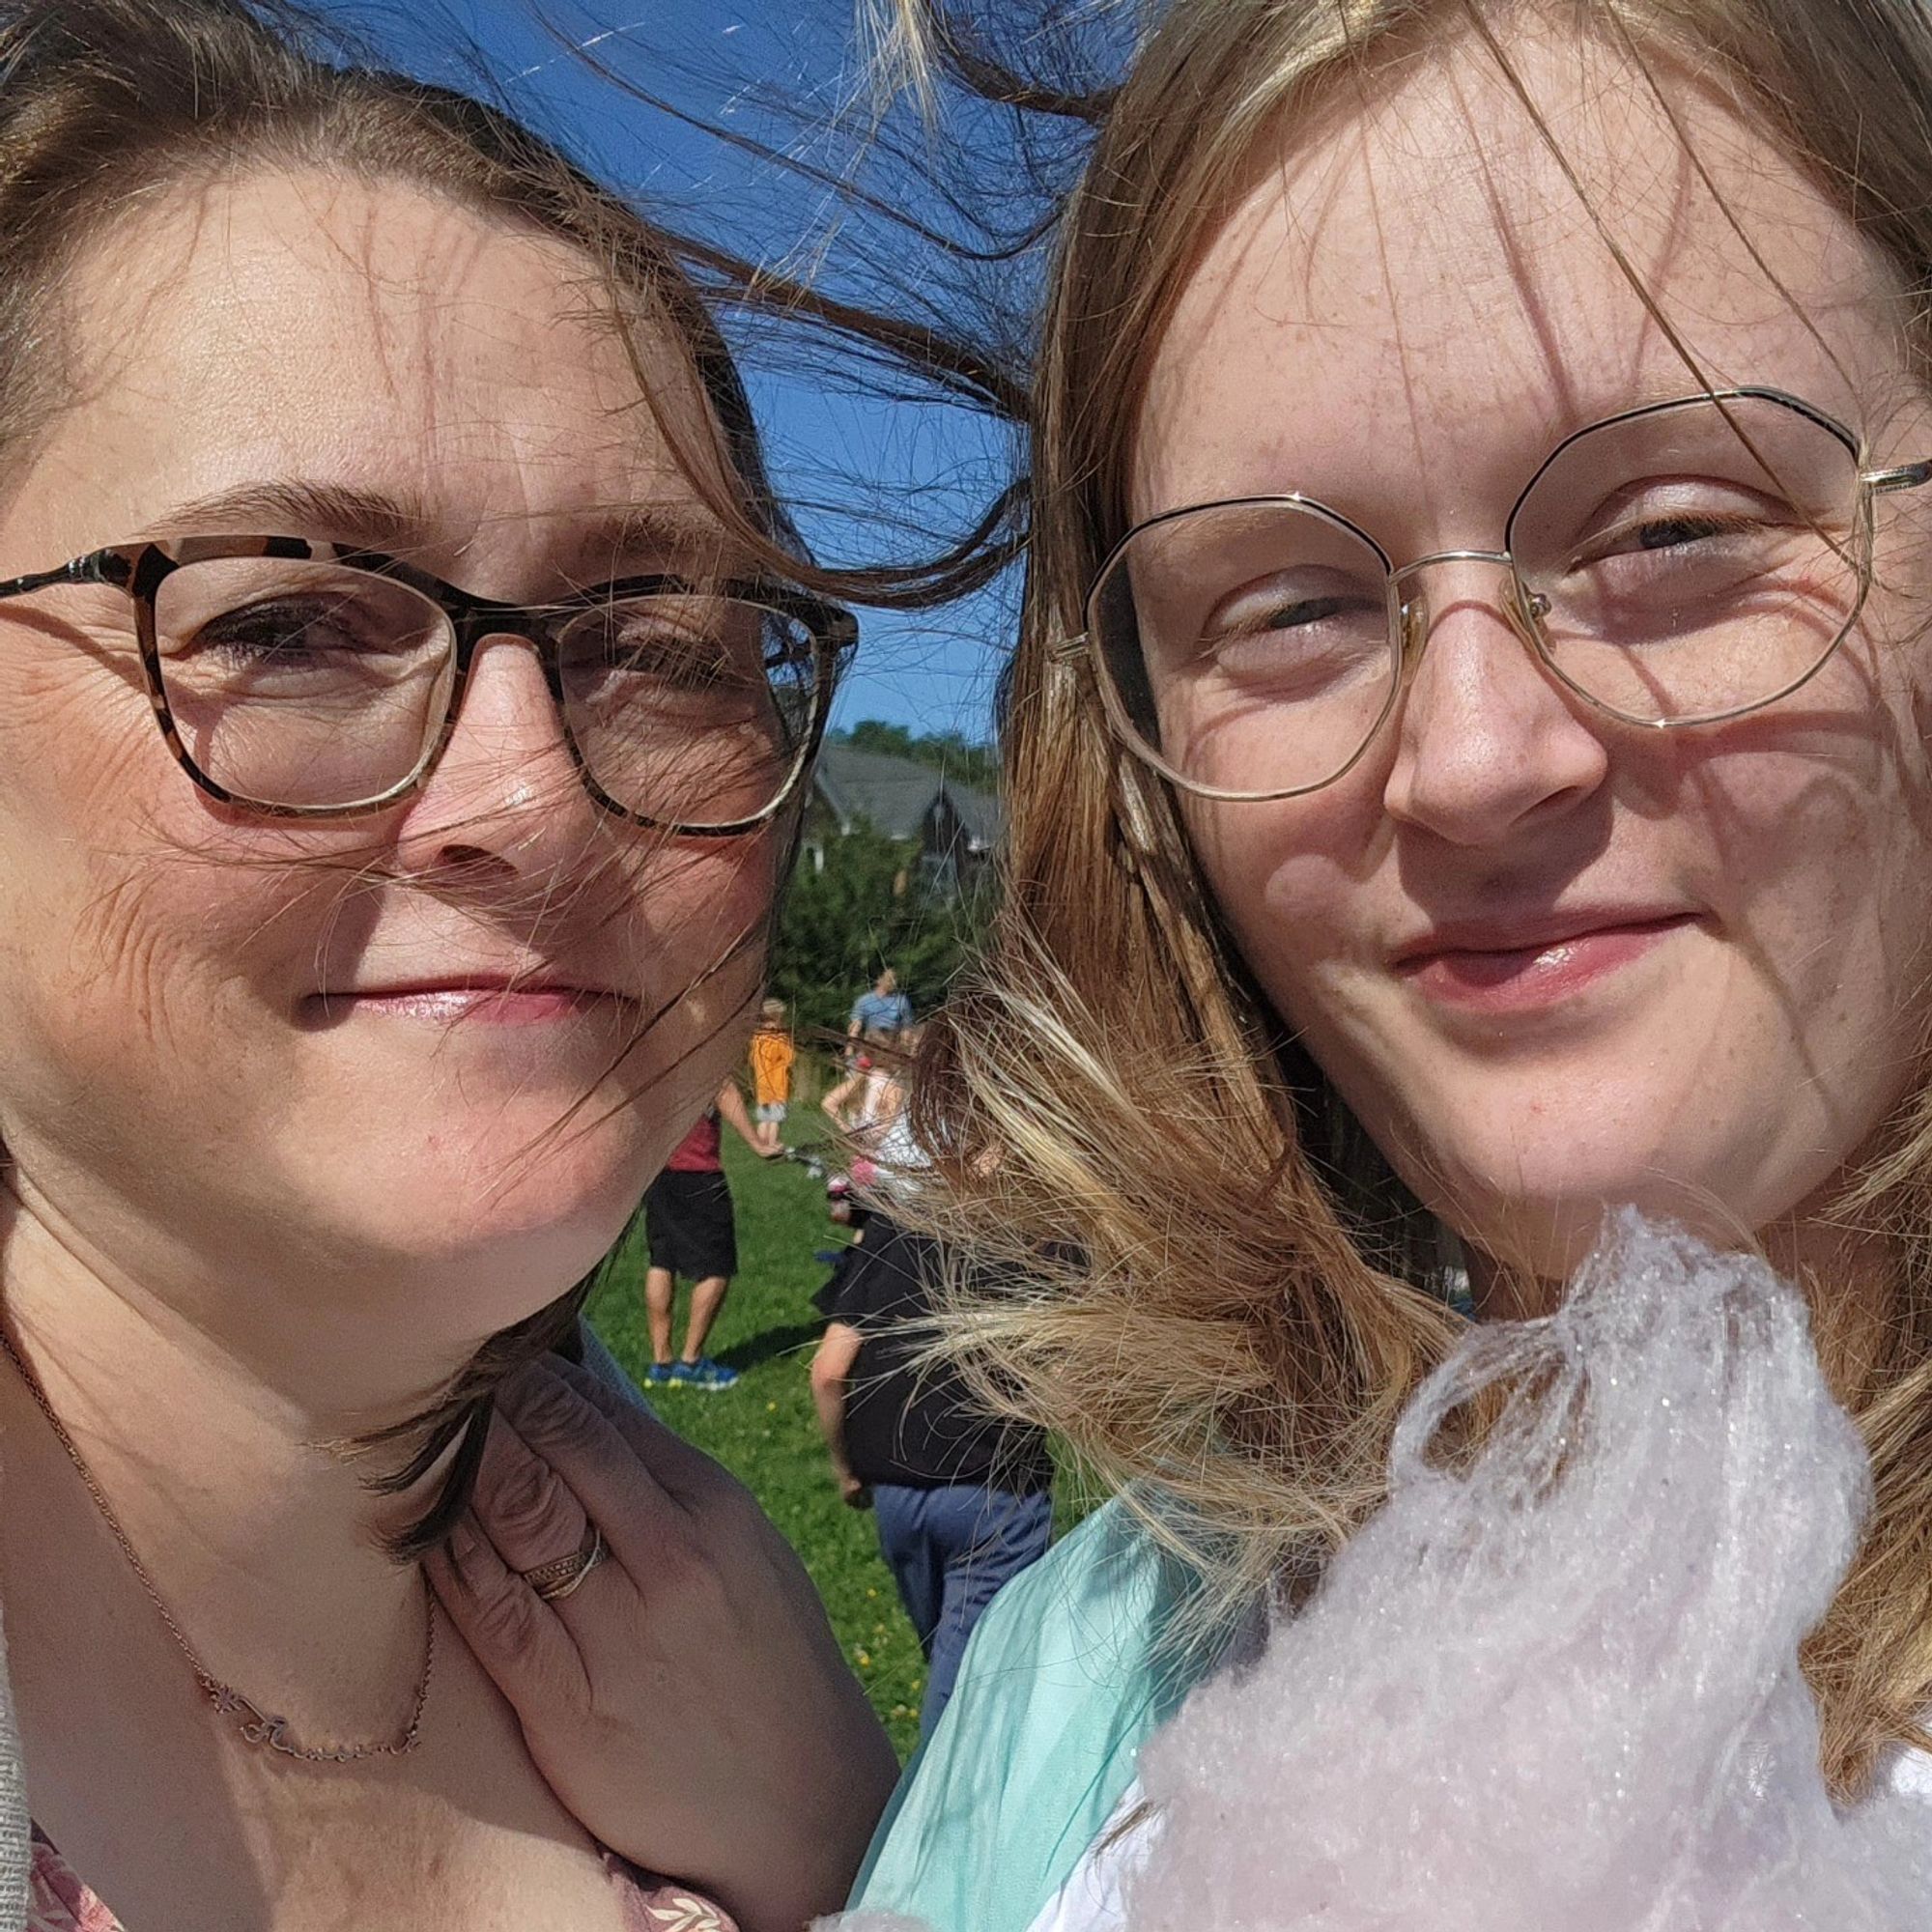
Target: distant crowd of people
[[962, 1499]]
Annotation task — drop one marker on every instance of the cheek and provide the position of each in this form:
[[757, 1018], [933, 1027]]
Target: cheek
[[700, 921], [1295, 880], [1807, 829], [111, 910]]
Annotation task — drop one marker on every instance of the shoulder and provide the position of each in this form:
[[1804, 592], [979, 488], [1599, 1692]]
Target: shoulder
[[1064, 1678], [889, 1271]]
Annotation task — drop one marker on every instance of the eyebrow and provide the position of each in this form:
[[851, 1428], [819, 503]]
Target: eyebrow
[[333, 512], [630, 534], [614, 541]]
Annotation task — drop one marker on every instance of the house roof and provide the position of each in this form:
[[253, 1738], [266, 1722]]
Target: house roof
[[893, 795]]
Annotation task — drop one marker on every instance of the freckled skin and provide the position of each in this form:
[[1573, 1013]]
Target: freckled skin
[[1419, 354], [172, 1104]]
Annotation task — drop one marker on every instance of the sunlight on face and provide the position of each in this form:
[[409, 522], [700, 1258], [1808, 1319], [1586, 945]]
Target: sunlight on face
[[286, 1045], [1553, 962]]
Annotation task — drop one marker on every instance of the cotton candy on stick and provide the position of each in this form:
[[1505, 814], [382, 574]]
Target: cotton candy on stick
[[1557, 1690]]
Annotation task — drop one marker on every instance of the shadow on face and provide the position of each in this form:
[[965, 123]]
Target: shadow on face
[[1551, 959], [437, 1047]]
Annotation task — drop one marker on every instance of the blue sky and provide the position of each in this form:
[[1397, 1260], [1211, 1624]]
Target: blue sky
[[843, 457]]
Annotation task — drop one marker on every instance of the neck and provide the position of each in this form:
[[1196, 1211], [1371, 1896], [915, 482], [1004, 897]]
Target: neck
[[258, 1535], [1848, 1276]]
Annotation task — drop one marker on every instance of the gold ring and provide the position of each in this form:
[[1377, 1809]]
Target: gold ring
[[554, 1581]]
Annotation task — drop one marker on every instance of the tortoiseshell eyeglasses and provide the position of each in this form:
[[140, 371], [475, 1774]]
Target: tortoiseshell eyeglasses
[[317, 680]]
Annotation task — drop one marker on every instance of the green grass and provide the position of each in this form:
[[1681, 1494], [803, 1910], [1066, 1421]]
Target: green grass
[[764, 1431]]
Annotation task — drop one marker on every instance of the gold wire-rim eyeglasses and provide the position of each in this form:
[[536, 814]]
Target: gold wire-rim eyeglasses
[[140, 570], [1524, 608]]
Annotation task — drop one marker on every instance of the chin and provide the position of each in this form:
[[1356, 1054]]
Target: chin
[[489, 1220], [1529, 1179]]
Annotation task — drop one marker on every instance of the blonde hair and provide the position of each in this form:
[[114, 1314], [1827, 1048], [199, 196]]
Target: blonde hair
[[1229, 1298]]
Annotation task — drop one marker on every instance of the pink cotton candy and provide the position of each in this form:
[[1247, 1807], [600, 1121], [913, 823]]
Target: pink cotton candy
[[1558, 1692]]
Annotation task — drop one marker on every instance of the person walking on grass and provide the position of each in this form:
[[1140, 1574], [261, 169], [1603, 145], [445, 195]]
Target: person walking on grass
[[691, 1232], [773, 1052], [963, 1500]]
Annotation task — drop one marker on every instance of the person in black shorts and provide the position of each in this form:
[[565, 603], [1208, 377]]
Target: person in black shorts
[[963, 1500], [691, 1232]]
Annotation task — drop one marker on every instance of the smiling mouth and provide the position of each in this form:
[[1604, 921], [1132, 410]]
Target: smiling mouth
[[1533, 973], [527, 1003]]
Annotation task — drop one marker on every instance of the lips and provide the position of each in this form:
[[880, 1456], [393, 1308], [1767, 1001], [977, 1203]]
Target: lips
[[503, 999], [1505, 965], [480, 986], [1532, 932]]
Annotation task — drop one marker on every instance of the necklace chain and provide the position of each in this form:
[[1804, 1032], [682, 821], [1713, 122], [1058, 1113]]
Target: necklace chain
[[253, 1724]]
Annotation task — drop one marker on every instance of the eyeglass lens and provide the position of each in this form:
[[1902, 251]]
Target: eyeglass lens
[[1680, 565], [316, 686]]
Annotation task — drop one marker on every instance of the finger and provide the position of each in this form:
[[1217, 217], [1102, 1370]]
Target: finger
[[525, 1506], [703, 1504], [685, 1473], [565, 1426], [527, 1651]]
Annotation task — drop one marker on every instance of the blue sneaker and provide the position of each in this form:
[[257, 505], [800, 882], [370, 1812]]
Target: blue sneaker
[[661, 1375], [706, 1373]]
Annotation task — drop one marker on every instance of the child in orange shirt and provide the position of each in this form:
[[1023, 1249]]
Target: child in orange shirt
[[771, 1056]]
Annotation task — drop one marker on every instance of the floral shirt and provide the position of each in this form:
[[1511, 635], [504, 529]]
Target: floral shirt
[[57, 1901]]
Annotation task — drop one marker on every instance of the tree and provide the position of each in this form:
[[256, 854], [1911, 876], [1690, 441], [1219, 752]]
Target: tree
[[865, 908], [949, 751]]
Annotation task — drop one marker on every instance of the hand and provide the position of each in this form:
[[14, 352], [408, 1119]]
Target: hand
[[687, 1701], [858, 1496]]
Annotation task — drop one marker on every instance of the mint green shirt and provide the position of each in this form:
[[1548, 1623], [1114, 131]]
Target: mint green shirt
[[1060, 1684]]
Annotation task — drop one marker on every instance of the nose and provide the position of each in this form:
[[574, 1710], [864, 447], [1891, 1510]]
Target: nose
[[505, 799], [1486, 741]]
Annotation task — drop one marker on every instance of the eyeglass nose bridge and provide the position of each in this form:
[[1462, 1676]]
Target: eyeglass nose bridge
[[1523, 608], [481, 623], [489, 623]]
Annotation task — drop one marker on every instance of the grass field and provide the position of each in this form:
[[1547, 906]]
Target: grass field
[[763, 1430]]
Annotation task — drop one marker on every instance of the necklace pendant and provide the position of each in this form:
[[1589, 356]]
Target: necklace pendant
[[272, 1733], [256, 1726]]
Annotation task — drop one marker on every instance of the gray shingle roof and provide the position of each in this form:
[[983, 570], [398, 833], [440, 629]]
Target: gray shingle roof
[[893, 795]]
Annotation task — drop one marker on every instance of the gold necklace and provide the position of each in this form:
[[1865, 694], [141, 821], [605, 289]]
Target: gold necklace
[[254, 1725]]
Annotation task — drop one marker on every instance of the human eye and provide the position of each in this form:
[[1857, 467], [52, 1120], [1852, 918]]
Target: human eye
[[680, 653], [289, 632], [1669, 560], [692, 649], [1298, 630], [1663, 528]]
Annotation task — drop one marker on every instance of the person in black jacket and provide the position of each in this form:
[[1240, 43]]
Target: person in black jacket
[[963, 1500]]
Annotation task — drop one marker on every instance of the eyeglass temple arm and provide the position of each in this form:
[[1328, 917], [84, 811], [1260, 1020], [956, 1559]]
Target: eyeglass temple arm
[[100, 566], [1905, 476]]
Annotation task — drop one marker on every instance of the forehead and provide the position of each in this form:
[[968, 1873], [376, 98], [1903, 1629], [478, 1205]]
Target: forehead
[[1411, 303], [358, 335]]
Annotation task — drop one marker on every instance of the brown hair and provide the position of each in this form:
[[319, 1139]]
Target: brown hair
[[1230, 1297], [103, 101]]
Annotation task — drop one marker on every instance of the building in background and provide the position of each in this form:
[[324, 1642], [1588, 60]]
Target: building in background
[[949, 827]]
